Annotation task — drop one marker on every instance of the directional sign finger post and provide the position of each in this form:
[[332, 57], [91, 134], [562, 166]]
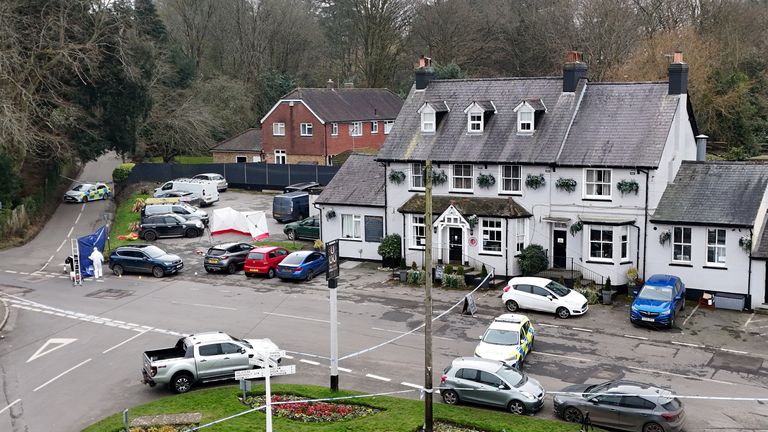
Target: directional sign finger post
[[268, 362], [262, 373]]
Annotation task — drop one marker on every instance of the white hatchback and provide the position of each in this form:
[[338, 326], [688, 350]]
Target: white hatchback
[[544, 295]]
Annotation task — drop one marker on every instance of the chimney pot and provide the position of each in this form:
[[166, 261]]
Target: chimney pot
[[701, 147], [677, 57], [422, 61], [572, 57]]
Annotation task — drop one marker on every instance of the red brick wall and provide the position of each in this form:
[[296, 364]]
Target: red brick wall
[[314, 147]]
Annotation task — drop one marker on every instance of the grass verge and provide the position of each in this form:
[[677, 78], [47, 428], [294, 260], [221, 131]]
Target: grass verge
[[397, 415], [123, 217]]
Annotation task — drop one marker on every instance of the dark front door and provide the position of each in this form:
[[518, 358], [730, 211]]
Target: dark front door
[[455, 245], [559, 249]]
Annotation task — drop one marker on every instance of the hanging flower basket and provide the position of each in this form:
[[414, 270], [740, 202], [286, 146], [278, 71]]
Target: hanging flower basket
[[566, 184], [746, 244], [575, 228], [472, 220], [628, 186], [397, 177], [535, 181], [330, 214], [439, 177], [664, 237], [486, 180]]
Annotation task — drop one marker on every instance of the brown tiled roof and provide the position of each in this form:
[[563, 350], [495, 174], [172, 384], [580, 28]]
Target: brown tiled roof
[[349, 104], [467, 206], [249, 141]]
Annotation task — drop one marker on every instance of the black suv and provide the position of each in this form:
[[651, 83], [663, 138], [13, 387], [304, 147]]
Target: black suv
[[226, 256], [170, 225], [144, 258]]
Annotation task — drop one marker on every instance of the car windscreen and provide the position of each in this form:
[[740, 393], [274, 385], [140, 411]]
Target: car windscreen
[[293, 260], [501, 337], [256, 256], [512, 376], [558, 289], [80, 188], [216, 252], [244, 342], [653, 292], [153, 251]]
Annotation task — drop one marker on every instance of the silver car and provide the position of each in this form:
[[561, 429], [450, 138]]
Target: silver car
[[624, 405], [491, 382], [221, 182]]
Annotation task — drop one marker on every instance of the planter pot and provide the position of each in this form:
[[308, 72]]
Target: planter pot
[[608, 297], [403, 275]]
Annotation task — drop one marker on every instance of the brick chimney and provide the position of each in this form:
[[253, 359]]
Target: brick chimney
[[573, 70], [678, 75], [425, 73]]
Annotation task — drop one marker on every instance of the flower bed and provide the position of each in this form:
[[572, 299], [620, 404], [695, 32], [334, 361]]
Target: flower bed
[[311, 411]]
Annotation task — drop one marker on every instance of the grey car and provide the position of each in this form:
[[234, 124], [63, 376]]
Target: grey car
[[491, 382], [226, 257], [624, 405]]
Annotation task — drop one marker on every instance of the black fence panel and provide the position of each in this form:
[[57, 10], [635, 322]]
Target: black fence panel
[[256, 176]]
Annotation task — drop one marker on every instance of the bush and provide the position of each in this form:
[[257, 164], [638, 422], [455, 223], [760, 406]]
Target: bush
[[454, 281], [390, 247], [607, 286], [448, 269], [416, 277], [121, 173], [483, 272], [460, 270], [414, 266], [533, 260], [593, 297], [403, 266]]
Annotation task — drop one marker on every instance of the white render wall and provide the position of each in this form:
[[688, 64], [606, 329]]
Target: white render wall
[[330, 229]]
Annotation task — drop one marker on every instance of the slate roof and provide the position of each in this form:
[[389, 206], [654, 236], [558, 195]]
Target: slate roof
[[349, 104], [536, 104], [467, 206], [249, 141], [761, 249], [438, 106], [359, 182], [617, 124], [714, 193]]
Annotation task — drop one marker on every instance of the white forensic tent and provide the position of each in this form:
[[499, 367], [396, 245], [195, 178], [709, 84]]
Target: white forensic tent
[[250, 223]]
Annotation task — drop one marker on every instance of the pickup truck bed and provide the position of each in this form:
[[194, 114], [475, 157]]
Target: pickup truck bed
[[164, 354]]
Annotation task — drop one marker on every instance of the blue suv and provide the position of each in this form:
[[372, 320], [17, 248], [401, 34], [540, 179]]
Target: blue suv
[[658, 301]]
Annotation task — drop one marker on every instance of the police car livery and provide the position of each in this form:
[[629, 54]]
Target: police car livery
[[509, 338], [85, 192]]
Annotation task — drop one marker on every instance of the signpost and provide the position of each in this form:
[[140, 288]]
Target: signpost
[[332, 253], [268, 362], [470, 308], [249, 374]]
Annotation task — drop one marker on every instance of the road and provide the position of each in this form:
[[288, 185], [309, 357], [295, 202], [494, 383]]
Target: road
[[72, 355]]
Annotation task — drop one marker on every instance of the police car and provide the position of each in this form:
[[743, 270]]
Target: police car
[[85, 192], [509, 338]]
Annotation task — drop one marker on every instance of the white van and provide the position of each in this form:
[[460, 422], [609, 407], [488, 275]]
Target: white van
[[206, 189]]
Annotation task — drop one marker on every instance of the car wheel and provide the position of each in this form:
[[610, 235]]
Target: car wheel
[[181, 383], [563, 312], [117, 269], [450, 397], [309, 276], [573, 415], [271, 273], [512, 305], [85, 199], [653, 427], [192, 232], [516, 407], [150, 236], [158, 272], [291, 234], [231, 268], [682, 305], [672, 321]]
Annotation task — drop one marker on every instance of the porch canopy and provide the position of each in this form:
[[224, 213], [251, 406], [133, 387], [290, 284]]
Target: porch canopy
[[467, 206]]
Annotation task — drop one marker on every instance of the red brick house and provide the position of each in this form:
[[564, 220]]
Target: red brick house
[[241, 148], [311, 125]]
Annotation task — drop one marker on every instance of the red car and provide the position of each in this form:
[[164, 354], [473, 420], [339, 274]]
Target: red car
[[264, 260]]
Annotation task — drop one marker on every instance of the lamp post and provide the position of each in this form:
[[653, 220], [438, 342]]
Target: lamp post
[[428, 424]]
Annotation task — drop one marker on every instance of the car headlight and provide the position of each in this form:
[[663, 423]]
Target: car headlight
[[527, 395], [665, 312], [634, 308]]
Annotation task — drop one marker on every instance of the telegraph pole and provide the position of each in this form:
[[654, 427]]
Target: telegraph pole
[[428, 298]]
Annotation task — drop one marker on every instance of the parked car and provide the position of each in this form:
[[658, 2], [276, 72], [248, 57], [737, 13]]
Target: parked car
[[189, 198], [544, 295], [169, 225], [624, 405], [207, 190], [290, 207], [144, 258], [509, 338], [203, 357], [300, 187], [226, 257], [659, 301], [84, 192], [302, 265], [490, 382], [186, 211], [308, 228], [221, 182], [264, 260]]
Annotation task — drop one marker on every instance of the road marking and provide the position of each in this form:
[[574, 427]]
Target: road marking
[[376, 377], [635, 337], [61, 375], [10, 271], [24, 273], [308, 355], [547, 325], [582, 329], [414, 333], [10, 405], [692, 312], [288, 357], [688, 344], [298, 317], [69, 234], [78, 217], [679, 375], [313, 363], [125, 341], [205, 305], [344, 369], [733, 351], [61, 245], [749, 320], [564, 356], [59, 342], [407, 384]]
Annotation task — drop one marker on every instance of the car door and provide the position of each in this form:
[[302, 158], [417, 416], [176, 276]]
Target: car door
[[523, 295], [181, 211], [173, 226], [152, 223], [129, 260], [311, 262], [233, 359], [634, 412], [679, 296], [242, 254], [102, 191], [489, 392], [604, 411], [277, 256], [543, 299], [467, 384], [525, 340], [143, 262], [208, 360]]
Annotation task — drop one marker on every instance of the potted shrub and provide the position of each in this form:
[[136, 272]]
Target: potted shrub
[[389, 249], [403, 271], [483, 275], [607, 292]]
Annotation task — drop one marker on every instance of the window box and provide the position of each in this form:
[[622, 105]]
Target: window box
[[566, 184], [486, 181], [628, 186], [535, 181]]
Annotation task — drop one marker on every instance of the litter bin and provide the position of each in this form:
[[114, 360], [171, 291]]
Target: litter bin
[[729, 301]]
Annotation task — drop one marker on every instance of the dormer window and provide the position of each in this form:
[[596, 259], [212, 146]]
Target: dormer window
[[477, 114], [528, 112], [475, 122], [525, 121], [431, 112]]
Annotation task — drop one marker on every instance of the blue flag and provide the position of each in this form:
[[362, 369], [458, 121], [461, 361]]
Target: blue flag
[[86, 244]]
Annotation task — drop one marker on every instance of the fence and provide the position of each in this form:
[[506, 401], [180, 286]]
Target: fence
[[256, 176]]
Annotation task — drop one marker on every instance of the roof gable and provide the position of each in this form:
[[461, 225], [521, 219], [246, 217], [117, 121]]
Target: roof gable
[[250, 140], [360, 181]]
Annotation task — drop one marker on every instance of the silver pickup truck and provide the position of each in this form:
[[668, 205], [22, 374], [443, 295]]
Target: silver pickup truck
[[203, 357]]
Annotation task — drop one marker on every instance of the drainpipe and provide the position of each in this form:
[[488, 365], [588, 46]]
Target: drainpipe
[[749, 276], [402, 240], [637, 259], [506, 260], [645, 223], [320, 219], [386, 209]]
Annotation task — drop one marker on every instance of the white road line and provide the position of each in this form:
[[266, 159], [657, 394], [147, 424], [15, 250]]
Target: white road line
[[61, 374], [288, 357], [205, 305], [61, 245], [418, 333], [10, 271], [10, 405], [313, 363], [749, 320], [69, 234], [582, 329], [564, 356], [407, 384], [344, 369], [376, 377], [687, 344], [679, 375], [692, 313], [733, 351], [78, 217], [125, 341], [297, 317], [547, 325], [635, 337], [24, 273]]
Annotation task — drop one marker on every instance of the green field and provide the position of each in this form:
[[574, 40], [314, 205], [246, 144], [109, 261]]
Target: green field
[[397, 414]]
